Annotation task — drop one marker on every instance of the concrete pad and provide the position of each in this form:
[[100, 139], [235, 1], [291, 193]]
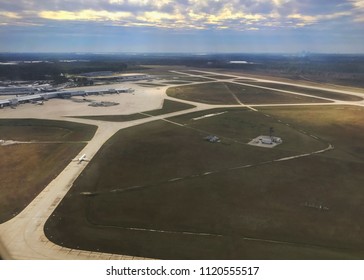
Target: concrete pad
[[265, 141]]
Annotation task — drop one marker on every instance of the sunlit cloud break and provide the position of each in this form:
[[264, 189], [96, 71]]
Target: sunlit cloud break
[[220, 24], [10, 15], [85, 15]]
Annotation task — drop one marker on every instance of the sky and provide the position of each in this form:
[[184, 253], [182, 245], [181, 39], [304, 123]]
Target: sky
[[189, 26]]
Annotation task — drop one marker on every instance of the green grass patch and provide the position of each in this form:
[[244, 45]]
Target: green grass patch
[[170, 106], [226, 93], [44, 130], [154, 183], [114, 118], [244, 125], [184, 78], [211, 93], [150, 85], [25, 169], [253, 95], [310, 91], [193, 79], [326, 122]]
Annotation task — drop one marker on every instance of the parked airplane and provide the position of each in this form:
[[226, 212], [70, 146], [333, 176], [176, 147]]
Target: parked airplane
[[82, 158]]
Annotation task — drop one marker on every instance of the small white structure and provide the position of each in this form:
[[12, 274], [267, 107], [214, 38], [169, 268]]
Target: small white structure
[[265, 141], [277, 140], [212, 139]]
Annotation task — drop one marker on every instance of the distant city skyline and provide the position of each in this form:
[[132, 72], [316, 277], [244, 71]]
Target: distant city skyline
[[183, 26]]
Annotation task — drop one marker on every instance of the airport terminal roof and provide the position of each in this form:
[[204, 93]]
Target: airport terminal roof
[[29, 97], [4, 102]]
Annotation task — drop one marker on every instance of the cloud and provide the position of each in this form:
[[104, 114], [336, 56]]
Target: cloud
[[158, 17], [359, 10], [303, 18], [10, 15], [185, 14], [307, 19], [84, 15], [279, 3], [359, 4]]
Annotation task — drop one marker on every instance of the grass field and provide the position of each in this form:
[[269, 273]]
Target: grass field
[[252, 95], [25, 169], [114, 118], [227, 93], [243, 126], [156, 196], [44, 130], [211, 93], [193, 79], [150, 85], [176, 78], [314, 92], [169, 106], [327, 122]]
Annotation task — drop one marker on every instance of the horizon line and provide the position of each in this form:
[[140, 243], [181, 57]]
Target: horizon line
[[185, 53]]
